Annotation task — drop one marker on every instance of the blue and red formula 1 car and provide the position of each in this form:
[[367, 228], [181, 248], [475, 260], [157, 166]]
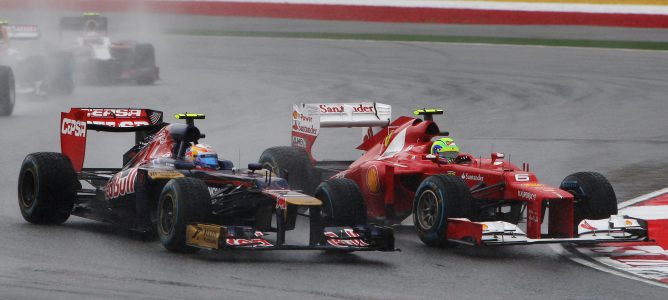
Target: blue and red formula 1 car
[[190, 207], [467, 200]]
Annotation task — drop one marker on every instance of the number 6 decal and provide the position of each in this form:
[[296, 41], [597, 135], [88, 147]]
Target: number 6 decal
[[522, 177]]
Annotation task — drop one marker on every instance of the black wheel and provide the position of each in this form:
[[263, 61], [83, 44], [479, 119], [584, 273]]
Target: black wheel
[[293, 164], [342, 203], [438, 198], [594, 196], [61, 74], [7, 91], [47, 188], [183, 201], [145, 63]]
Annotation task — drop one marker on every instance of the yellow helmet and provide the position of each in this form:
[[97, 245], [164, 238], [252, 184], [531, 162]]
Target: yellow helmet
[[445, 148]]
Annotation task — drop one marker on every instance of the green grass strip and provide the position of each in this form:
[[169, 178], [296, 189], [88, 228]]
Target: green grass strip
[[643, 45]]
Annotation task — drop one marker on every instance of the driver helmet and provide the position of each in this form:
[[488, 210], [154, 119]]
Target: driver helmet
[[202, 155], [445, 148]]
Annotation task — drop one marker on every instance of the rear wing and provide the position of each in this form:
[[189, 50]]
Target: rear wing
[[75, 124], [23, 32], [308, 118], [85, 24]]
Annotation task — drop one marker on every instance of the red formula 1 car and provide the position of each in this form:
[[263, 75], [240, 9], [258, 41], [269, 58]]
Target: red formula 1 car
[[190, 206], [470, 200]]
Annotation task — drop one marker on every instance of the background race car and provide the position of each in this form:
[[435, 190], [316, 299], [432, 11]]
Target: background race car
[[101, 61], [466, 199], [190, 206], [39, 70]]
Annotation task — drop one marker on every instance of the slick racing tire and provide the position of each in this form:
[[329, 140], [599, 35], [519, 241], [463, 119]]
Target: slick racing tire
[[438, 198], [47, 188], [293, 164], [594, 196], [145, 61], [342, 203], [7, 91], [182, 201], [61, 74]]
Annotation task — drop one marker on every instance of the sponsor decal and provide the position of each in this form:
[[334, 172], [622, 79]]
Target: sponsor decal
[[360, 108], [532, 216], [587, 226], [388, 138], [333, 239], [282, 203], [113, 113], [213, 190], [526, 195], [121, 184], [532, 184], [476, 177], [73, 127], [372, 180], [248, 242], [120, 124], [298, 142], [304, 123], [164, 174], [451, 173]]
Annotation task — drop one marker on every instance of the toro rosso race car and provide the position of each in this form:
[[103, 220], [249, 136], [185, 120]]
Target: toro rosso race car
[[38, 71], [467, 200], [101, 61], [190, 207]]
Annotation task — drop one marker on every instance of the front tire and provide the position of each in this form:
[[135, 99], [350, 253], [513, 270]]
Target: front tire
[[438, 198], [293, 164], [47, 188], [342, 203], [594, 196], [7, 91], [182, 201]]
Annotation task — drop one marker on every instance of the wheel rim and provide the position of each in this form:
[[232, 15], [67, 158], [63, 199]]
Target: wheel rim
[[166, 217], [427, 210], [28, 189]]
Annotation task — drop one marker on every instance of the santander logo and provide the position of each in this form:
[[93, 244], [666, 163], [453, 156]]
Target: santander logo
[[360, 108]]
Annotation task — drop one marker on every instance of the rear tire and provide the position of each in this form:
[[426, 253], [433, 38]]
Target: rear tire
[[293, 164], [7, 91], [438, 198], [594, 196], [61, 74], [182, 201], [145, 61], [342, 203], [47, 188]]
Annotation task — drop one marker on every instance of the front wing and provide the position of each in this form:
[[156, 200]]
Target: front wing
[[614, 229], [345, 239]]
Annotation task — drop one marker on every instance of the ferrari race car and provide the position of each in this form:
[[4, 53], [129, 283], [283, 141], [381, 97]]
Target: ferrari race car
[[471, 200], [190, 207], [38, 71], [101, 61]]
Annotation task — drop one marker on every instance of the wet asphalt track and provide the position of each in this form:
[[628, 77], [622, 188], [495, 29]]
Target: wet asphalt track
[[560, 109]]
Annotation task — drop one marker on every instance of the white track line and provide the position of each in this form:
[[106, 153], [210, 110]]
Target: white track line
[[603, 268]]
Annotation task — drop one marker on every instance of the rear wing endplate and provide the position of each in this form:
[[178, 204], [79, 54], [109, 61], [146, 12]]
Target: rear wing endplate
[[74, 126], [23, 32], [308, 118]]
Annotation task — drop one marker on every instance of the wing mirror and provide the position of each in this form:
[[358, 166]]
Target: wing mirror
[[254, 167]]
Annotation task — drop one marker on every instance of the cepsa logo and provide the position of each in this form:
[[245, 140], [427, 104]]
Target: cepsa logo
[[360, 108], [113, 113], [73, 127]]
